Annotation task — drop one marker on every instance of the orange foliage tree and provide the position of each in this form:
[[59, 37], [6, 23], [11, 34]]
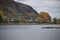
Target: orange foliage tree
[[1, 12], [58, 21], [46, 18], [23, 20]]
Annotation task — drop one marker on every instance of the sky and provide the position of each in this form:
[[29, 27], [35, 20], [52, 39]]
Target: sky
[[50, 6]]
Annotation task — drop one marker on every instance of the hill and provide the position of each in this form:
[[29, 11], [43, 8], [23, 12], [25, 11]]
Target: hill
[[12, 9]]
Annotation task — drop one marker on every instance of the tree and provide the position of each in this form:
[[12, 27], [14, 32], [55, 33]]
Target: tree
[[46, 18], [16, 20], [54, 20], [39, 19], [1, 19], [24, 20], [58, 21], [1, 12]]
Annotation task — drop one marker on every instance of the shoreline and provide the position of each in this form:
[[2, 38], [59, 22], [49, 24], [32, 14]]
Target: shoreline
[[29, 24]]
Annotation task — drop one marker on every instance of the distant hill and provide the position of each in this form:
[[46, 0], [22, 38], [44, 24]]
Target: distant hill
[[12, 9]]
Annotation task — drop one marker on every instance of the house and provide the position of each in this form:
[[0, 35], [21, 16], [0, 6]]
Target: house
[[10, 19]]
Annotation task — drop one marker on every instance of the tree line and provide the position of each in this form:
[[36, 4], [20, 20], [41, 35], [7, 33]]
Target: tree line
[[42, 18]]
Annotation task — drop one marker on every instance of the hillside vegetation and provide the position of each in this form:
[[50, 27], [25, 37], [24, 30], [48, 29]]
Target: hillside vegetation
[[12, 12]]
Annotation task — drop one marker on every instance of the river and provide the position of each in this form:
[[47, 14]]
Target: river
[[29, 32]]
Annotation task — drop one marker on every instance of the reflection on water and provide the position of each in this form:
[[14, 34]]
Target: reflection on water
[[29, 32]]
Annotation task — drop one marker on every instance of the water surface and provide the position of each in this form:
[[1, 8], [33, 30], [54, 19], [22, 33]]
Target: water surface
[[29, 32]]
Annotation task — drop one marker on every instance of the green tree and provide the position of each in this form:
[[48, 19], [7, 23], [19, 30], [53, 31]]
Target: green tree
[[1, 19], [16, 20], [54, 20], [39, 20]]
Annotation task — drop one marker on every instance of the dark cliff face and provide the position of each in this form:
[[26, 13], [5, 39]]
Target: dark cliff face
[[15, 9]]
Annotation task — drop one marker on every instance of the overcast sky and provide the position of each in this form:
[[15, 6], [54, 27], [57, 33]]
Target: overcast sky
[[50, 6]]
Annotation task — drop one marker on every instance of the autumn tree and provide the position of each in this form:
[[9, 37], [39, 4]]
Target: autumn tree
[[46, 18], [1, 12], [24, 20], [58, 21]]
